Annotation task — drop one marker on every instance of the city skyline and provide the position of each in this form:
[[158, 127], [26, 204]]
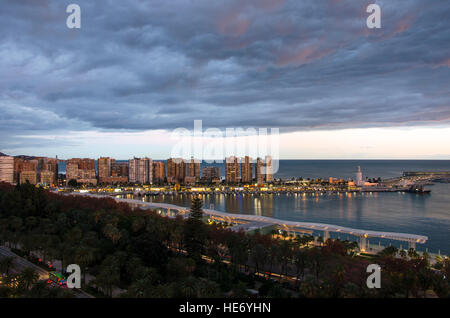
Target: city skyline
[[335, 91]]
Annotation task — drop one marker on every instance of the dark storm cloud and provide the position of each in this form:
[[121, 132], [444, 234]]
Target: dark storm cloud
[[297, 65]]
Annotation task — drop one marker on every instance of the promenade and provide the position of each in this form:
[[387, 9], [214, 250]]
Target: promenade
[[288, 226]]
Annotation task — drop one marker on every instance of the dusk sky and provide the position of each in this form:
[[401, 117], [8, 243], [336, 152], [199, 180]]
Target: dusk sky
[[138, 69]]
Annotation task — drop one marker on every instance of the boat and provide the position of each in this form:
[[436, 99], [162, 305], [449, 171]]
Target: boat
[[419, 189]]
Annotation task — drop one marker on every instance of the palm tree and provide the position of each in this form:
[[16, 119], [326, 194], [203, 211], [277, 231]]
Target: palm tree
[[6, 264], [196, 208], [112, 232], [108, 277], [84, 256], [308, 239], [28, 277], [285, 256], [320, 240], [189, 287], [412, 253], [258, 256], [402, 253], [300, 262]]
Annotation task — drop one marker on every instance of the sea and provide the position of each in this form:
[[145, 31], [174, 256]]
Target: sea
[[423, 214]]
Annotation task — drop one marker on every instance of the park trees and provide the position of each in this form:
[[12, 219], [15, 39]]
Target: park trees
[[194, 235]]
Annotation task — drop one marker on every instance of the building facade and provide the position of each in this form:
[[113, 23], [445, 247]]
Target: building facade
[[81, 170], [28, 177], [232, 170], [246, 170], [47, 165], [210, 173], [193, 169], [112, 172], [104, 168], [259, 175], [140, 170], [159, 171], [176, 170], [47, 177], [7, 169], [269, 169]]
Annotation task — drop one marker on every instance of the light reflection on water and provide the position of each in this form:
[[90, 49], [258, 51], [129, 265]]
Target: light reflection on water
[[396, 212]]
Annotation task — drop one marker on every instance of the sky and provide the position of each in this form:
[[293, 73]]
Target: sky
[[137, 70]]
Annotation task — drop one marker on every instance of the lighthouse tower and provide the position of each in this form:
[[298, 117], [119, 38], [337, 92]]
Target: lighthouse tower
[[359, 180]]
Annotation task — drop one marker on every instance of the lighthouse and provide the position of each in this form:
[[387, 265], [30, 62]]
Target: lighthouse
[[359, 180]]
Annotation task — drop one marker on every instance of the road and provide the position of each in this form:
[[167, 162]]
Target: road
[[21, 263]]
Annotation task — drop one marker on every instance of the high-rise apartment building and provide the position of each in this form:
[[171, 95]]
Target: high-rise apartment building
[[47, 177], [104, 168], [232, 170], [120, 170], [193, 169], [7, 169], [264, 170], [246, 169], [48, 165], [81, 170], [28, 176], [35, 165], [22, 164], [140, 170], [211, 173], [259, 175], [176, 170], [109, 171], [269, 169], [159, 171]]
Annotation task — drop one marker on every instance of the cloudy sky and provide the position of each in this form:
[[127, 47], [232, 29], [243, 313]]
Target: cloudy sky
[[138, 69]]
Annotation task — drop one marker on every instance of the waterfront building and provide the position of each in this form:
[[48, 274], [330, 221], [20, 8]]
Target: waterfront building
[[7, 169], [140, 170], [193, 169], [259, 171], [47, 177], [22, 164], [210, 173], [120, 169], [46, 165], [36, 165], [190, 180], [159, 171], [81, 170], [111, 172], [28, 176], [232, 170], [176, 169], [246, 169], [104, 168], [269, 169]]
